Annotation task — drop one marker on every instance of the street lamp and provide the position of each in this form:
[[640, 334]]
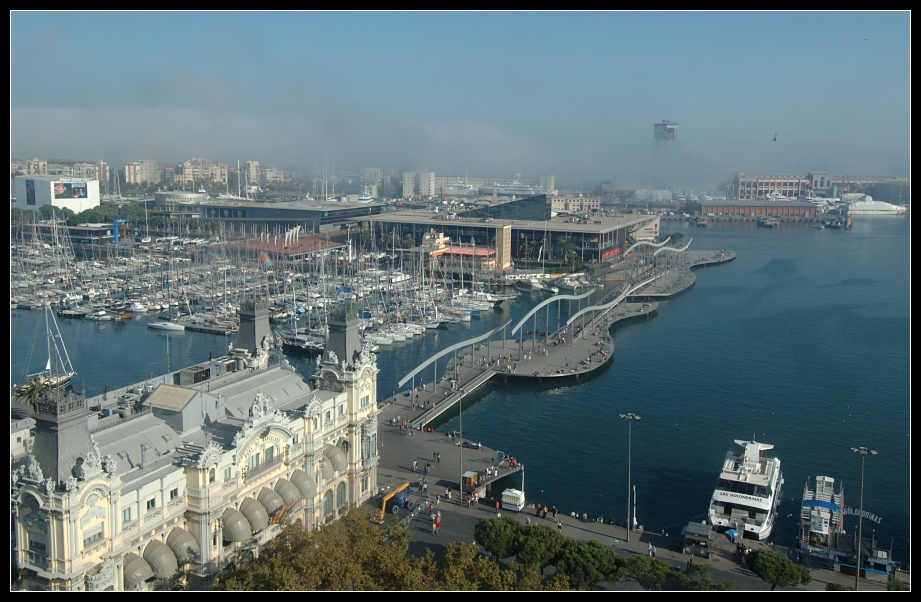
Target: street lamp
[[460, 481], [864, 452], [630, 417]]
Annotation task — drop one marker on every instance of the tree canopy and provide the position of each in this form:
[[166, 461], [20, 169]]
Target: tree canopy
[[778, 570]]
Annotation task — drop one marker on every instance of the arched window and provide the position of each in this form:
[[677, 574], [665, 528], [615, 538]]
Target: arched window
[[328, 502], [211, 475], [340, 495]]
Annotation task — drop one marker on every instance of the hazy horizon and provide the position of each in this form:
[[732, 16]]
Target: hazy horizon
[[492, 94]]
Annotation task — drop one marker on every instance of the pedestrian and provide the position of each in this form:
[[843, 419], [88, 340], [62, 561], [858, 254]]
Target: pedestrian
[[432, 511], [437, 498], [497, 507], [649, 550], [527, 520], [559, 525], [538, 510], [415, 463], [690, 562], [425, 487], [554, 512], [545, 512], [438, 457], [653, 551], [434, 528], [437, 526]]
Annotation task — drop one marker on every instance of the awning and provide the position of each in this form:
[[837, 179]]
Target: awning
[[288, 491], [304, 483], [255, 513], [326, 469], [337, 457], [183, 545], [699, 532], [270, 500], [236, 527], [136, 570], [161, 559]]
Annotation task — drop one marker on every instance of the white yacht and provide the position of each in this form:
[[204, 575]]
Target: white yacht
[[748, 491], [867, 206]]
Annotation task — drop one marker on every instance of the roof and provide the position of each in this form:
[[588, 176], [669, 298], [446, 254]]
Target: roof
[[171, 397], [701, 532]]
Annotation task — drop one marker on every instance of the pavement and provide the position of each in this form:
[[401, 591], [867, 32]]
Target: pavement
[[447, 460]]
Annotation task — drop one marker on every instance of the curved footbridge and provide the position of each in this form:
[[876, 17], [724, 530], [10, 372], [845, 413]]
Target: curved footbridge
[[580, 346]]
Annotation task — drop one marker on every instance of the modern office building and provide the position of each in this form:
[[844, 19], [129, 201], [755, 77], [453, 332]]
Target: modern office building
[[32, 192], [164, 483]]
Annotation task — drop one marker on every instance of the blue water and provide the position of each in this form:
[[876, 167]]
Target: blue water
[[803, 342]]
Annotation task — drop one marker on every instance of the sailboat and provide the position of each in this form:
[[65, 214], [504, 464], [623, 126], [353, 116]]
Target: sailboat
[[58, 370]]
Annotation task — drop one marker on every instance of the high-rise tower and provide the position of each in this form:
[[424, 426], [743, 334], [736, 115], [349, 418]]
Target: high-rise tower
[[665, 133]]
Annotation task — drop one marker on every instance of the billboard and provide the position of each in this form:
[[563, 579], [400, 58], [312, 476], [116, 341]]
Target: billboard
[[70, 190]]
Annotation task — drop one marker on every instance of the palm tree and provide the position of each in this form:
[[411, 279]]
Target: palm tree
[[565, 249], [32, 391]]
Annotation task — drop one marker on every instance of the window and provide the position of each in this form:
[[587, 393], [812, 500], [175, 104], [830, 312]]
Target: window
[[126, 514], [296, 439], [211, 476], [269, 454], [92, 536], [340, 495], [227, 474], [364, 484], [328, 503], [342, 409], [174, 493], [365, 400], [329, 415], [151, 504], [254, 460]]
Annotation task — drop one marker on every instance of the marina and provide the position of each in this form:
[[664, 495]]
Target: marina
[[480, 410]]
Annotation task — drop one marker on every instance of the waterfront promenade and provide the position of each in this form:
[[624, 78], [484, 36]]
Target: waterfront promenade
[[448, 459]]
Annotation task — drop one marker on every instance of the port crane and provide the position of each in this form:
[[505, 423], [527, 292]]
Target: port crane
[[115, 223]]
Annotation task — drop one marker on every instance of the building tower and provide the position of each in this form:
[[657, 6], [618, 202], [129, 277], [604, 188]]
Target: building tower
[[665, 133]]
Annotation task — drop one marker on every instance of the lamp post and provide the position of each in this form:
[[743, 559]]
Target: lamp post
[[864, 452], [629, 417], [460, 481]]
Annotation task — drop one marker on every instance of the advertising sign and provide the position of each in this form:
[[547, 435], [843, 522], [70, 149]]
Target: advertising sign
[[70, 190]]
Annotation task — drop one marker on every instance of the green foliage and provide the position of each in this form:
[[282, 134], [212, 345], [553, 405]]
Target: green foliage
[[839, 587], [697, 577], [588, 564], [897, 585], [498, 536], [651, 573], [538, 545], [776, 569]]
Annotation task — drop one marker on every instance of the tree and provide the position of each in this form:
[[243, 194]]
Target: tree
[[674, 239], [588, 564], [650, 573], [498, 536], [697, 577], [775, 568], [538, 545], [33, 390]]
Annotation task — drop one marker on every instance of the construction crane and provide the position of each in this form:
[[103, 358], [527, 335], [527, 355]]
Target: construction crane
[[115, 223], [401, 494]]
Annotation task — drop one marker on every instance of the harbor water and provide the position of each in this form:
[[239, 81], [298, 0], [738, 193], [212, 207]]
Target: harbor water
[[803, 342]]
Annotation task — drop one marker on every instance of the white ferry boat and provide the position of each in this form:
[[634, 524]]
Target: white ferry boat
[[748, 492]]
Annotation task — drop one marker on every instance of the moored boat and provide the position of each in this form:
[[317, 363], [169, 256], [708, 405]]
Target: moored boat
[[747, 493], [165, 325]]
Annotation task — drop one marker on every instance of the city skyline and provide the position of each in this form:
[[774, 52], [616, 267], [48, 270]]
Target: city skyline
[[569, 94]]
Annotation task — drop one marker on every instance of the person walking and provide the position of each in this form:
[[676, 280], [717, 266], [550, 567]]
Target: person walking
[[653, 551], [497, 507], [434, 527], [545, 513], [559, 525], [649, 550], [437, 526], [415, 463]]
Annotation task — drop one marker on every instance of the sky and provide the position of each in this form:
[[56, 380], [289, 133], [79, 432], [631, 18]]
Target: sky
[[490, 94]]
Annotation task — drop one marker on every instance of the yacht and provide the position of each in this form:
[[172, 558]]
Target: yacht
[[867, 206], [747, 493]]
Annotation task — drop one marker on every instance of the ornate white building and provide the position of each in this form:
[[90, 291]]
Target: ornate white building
[[164, 483]]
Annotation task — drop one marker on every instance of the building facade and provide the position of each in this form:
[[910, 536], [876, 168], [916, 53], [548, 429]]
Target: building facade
[[165, 483], [32, 192], [761, 186]]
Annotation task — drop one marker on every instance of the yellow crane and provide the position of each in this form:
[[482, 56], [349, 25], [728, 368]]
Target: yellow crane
[[401, 501]]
